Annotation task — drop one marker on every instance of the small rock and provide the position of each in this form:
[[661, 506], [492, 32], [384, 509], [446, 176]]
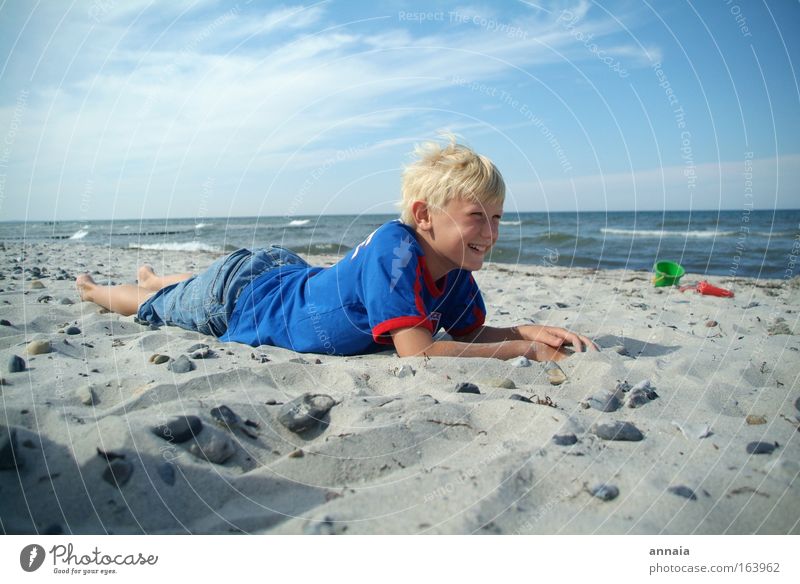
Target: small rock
[[683, 491], [711, 323], [181, 365], [9, 457], [166, 470], [36, 285], [761, 447], [305, 412], [118, 472], [522, 398], [86, 395], [403, 371], [73, 330], [646, 386], [555, 375], [605, 492], [562, 305], [756, 420], [197, 347], [214, 447], [521, 362], [66, 301], [324, 527], [751, 305], [4, 381], [299, 360], [261, 357], [179, 429], [271, 402], [201, 353], [617, 431], [4, 322], [605, 401], [641, 394], [297, 453], [38, 347], [467, 387], [565, 439], [158, 359], [16, 364], [693, 431], [44, 298], [503, 382]]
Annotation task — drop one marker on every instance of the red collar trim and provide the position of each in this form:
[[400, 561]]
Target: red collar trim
[[429, 283]]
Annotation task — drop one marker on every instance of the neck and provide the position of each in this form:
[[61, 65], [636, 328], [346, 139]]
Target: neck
[[437, 265]]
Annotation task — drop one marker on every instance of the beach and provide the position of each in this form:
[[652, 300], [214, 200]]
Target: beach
[[706, 391]]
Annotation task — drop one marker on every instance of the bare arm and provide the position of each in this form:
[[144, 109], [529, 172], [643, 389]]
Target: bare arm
[[417, 341], [548, 335]]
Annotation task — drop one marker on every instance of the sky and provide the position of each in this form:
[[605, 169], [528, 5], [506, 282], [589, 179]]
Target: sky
[[133, 109]]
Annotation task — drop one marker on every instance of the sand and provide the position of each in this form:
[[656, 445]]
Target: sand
[[401, 451]]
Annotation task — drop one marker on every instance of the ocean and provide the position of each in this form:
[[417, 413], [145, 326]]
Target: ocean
[[760, 244]]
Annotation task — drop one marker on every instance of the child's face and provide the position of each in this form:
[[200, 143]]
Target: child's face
[[463, 232]]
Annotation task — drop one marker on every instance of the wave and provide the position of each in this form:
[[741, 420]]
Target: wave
[[201, 225], [188, 246], [666, 233], [298, 222], [80, 234], [511, 223]]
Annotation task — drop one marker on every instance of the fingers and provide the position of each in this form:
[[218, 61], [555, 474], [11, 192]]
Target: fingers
[[578, 342]]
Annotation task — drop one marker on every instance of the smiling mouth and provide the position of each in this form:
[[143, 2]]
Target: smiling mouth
[[481, 249]]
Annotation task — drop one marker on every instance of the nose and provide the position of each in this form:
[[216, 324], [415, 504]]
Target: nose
[[489, 230]]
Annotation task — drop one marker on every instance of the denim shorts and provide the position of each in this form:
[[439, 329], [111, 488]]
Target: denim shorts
[[205, 302]]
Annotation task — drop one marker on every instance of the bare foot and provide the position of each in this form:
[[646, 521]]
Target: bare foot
[[85, 284], [144, 274]]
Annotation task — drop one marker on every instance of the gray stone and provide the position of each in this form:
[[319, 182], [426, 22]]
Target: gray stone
[[213, 447], [617, 431], [181, 365], [555, 375], [522, 398], [565, 439], [503, 382], [605, 401], [166, 470], [305, 412], [466, 387], [16, 364], [521, 362], [403, 371], [201, 353], [118, 472], [197, 347], [86, 395], [4, 322], [73, 330], [66, 301], [158, 359], [9, 456], [230, 420], [605, 492], [761, 447], [179, 429], [683, 491]]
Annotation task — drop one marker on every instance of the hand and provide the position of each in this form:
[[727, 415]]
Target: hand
[[540, 352], [557, 337]]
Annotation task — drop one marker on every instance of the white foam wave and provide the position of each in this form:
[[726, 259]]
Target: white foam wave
[[510, 222], [187, 246], [201, 225], [299, 222], [80, 234], [665, 233]]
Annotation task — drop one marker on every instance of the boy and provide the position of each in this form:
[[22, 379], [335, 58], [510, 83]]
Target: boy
[[401, 284]]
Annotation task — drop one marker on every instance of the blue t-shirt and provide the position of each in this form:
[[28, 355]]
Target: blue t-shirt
[[351, 307]]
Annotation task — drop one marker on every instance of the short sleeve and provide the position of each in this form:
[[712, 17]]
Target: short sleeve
[[463, 310], [392, 280]]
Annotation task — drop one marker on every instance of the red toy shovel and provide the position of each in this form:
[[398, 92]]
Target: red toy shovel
[[708, 290]]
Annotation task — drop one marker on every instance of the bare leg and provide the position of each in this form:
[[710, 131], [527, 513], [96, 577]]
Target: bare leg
[[123, 299], [148, 279]]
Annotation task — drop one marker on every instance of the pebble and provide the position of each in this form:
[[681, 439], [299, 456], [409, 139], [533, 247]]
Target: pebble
[[640, 394], [36, 285], [693, 431], [181, 365], [755, 420], [201, 353], [66, 301], [16, 364], [617, 431], [605, 401], [562, 305], [9, 456], [518, 397], [38, 347], [403, 371], [216, 448], [44, 298], [761, 447], [305, 412], [118, 472], [467, 387], [179, 429], [565, 439], [751, 305], [73, 330], [605, 492], [711, 323], [521, 362], [86, 395], [503, 382], [166, 470], [683, 491], [4, 322], [297, 453], [230, 420], [197, 347], [158, 359], [324, 527], [646, 386], [555, 375]]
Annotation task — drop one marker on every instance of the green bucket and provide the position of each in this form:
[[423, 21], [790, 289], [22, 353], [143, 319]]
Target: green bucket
[[666, 273]]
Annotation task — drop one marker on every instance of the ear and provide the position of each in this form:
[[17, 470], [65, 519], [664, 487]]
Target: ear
[[422, 215]]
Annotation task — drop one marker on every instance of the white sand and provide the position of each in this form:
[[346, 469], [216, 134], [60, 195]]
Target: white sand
[[406, 454]]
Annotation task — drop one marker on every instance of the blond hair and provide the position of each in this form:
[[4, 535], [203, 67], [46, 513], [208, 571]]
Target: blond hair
[[453, 171]]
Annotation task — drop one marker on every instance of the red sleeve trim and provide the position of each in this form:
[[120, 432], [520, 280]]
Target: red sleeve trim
[[379, 331], [480, 318]]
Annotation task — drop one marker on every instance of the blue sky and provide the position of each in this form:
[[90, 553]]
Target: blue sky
[[112, 109]]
